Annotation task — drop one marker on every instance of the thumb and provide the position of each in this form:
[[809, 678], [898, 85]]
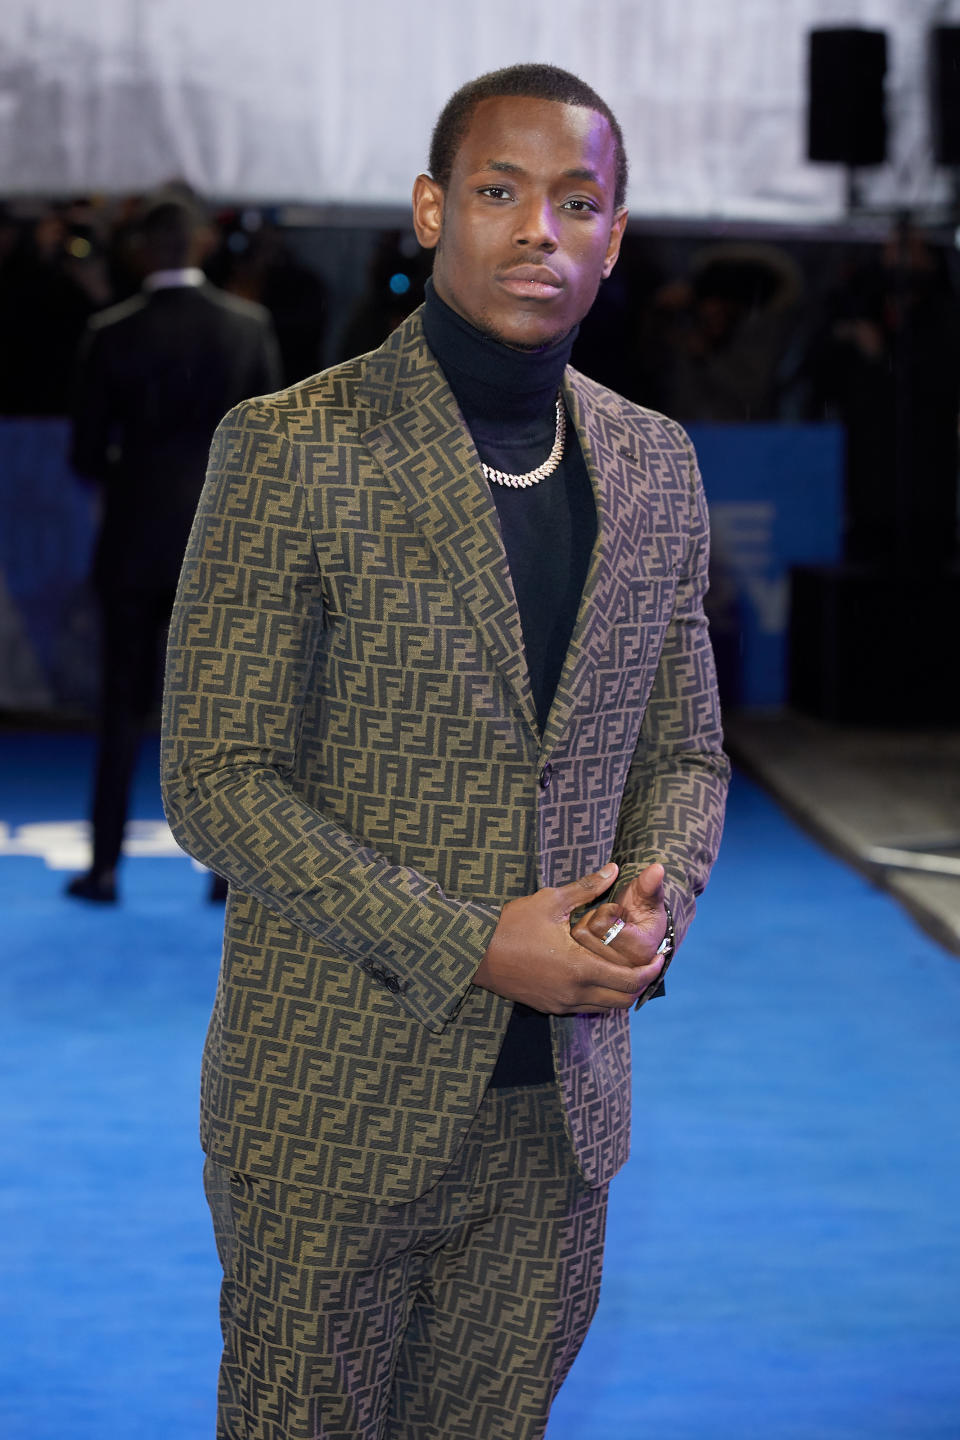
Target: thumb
[[588, 887]]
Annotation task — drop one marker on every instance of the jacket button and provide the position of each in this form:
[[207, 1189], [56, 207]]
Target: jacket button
[[392, 984], [546, 775]]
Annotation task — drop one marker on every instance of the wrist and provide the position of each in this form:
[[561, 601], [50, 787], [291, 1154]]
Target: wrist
[[664, 952], [669, 942]]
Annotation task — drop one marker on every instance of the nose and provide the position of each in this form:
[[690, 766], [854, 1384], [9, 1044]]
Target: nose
[[536, 224]]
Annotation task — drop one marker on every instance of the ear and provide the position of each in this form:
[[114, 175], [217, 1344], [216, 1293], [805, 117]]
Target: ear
[[427, 211], [613, 244]]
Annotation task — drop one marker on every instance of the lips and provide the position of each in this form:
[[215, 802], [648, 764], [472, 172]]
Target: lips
[[532, 282]]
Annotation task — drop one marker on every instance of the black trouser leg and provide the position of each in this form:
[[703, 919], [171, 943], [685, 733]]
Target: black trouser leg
[[133, 623]]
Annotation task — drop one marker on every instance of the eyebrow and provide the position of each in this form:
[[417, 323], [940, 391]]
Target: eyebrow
[[576, 173]]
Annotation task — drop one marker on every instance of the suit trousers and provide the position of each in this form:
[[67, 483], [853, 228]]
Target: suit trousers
[[455, 1316], [133, 625]]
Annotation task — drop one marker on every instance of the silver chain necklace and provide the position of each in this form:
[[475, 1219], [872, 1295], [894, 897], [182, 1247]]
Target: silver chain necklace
[[533, 477]]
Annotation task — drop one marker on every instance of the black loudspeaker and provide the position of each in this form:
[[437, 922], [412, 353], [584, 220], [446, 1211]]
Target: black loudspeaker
[[945, 93], [846, 114]]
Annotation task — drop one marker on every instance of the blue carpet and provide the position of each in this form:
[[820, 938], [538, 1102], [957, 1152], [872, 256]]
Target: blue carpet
[[783, 1256]]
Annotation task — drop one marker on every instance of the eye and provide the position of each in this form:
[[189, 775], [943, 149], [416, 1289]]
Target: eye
[[581, 206], [495, 192]]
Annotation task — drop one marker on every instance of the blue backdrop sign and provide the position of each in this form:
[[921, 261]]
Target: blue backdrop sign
[[775, 494], [48, 632], [776, 500]]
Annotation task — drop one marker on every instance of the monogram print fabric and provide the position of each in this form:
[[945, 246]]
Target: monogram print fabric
[[320, 1334], [350, 738]]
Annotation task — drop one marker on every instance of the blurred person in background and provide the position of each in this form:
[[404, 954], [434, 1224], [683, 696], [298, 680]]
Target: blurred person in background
[[255, 261], [396, 275], [51, 281], [887, 365], [156, 374], [720, 336]]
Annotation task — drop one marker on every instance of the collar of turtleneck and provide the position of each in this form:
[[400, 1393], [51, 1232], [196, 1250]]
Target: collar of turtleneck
[[491, 381]]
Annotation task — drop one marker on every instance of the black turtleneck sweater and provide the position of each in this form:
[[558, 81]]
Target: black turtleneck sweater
[[508, 401]]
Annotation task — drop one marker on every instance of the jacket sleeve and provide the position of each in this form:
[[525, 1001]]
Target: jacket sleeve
[[244, 636], [673, 803], [91, 408], [267, 365]]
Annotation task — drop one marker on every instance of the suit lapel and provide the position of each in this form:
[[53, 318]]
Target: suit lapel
[[426, 451], [611, 456]]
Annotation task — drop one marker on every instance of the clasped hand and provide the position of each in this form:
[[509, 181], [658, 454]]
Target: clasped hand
[[535, 957]]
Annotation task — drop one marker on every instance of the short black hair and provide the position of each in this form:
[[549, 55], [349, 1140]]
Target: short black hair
[[533, 82], [168, 226], [166, 213]]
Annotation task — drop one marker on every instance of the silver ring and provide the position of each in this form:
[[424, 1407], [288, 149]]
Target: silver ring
[[614, 931]]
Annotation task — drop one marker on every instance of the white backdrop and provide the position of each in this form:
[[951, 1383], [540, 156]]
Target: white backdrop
[[332, 101]]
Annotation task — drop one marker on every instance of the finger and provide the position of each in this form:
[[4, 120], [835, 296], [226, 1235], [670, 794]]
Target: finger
[[596, 974], [596, 999], [597, 920], [630, 947], [599, 1002], [580, 892], [600, 929], [613, 930], [600, 1006], [607, 932]]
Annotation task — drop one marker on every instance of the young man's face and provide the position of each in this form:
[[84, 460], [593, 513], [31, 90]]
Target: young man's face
[[526, 228]]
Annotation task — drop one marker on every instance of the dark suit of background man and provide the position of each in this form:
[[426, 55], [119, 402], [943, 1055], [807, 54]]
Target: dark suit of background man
[[155, 377], [419, 718]]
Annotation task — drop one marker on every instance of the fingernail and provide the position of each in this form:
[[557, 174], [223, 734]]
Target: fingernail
[[607, 871]]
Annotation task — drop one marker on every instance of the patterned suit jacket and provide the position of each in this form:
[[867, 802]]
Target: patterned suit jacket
[[350, 738]]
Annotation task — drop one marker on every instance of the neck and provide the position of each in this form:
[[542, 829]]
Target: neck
[[492, 381]]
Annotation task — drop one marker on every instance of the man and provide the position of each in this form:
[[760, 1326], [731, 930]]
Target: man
[[156, 376], [420, 717]]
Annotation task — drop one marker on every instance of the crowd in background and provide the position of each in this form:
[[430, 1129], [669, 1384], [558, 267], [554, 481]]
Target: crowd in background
[[703, 327], [63, 263]]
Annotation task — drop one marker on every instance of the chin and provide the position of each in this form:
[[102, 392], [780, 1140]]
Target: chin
[[523, 337], [532, 346]]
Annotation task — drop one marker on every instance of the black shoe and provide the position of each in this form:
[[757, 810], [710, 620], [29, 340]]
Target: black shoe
[[217, 894], [98, 885]]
